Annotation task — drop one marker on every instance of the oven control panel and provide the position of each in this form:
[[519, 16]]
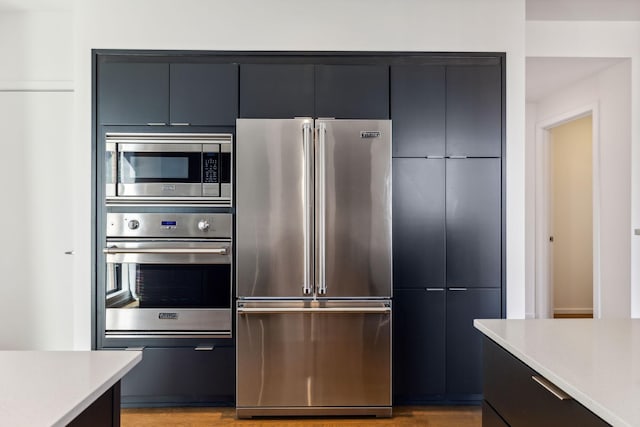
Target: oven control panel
[[169, 225]]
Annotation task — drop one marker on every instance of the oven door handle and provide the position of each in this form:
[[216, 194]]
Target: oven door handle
[[215, 251]]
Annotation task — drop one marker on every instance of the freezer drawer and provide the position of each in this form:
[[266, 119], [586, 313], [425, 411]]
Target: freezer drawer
[[305, 357]]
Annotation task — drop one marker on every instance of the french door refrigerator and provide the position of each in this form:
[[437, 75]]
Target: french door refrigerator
[[314, 268]]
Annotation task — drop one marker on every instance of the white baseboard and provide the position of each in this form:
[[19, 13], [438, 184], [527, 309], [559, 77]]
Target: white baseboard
[[581, 310], [37, 86]]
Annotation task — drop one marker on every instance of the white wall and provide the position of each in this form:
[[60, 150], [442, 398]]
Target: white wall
[[607, 39], [36, 118], [332, 25], [530, 209], [610, 90]]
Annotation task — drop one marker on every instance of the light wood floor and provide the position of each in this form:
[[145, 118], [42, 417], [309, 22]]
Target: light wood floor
[[430, 416]]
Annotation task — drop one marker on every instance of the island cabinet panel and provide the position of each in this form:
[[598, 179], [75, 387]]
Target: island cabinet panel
[[474, 110], [204, 94], [474, 223], [103, 412], [418, 345], [511, 390], [352, 91], [491, 418], [418, 110], [276, 91], [418, 222], [464, 342], [181, 375], [132, 93]]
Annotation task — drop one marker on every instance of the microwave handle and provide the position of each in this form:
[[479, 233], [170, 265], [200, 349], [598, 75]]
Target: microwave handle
[[116, 250]]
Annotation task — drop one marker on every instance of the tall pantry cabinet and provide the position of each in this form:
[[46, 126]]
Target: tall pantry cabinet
[[448, 224]]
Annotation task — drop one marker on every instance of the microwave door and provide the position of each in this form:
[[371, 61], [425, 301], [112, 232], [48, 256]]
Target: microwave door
[[159, 170]]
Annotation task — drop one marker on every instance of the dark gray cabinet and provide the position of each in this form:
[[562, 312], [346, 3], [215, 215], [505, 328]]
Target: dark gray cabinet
[[203, 94], [511, 394], [418, 222], [276, 91], [132, 93], [474, 110], [474, 222], [419, 344], [181, 375], [307, 90], [352, 91], [418, 110], [464, 342]]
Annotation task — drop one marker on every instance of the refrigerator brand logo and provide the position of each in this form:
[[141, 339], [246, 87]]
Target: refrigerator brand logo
[[168, 316], [369, 134]]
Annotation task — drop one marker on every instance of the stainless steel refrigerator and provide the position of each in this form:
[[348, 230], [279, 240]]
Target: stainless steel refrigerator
[[314, 269]]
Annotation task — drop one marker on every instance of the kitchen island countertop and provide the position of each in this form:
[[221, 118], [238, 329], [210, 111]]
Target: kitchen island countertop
[[51, 388], [597, 362]]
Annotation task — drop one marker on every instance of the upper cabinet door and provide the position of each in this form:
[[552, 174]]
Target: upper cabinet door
[[352, 91], [474, 113], [276, 91], [133, 93], [204, 94], [418, 110]]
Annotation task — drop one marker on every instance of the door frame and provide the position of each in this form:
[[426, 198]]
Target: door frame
[[543, 212]]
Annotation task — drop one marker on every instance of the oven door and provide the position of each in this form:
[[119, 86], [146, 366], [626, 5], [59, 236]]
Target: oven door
[[168, 288]]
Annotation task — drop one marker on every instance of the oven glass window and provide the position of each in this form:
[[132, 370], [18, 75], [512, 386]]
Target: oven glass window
[[133, 285], [146, 167]]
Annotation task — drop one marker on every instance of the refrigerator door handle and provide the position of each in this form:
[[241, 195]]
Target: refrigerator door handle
[[307, 287], [321, 131]]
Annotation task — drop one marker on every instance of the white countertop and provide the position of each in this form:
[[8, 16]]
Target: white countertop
[[597, 362], [50, 388]]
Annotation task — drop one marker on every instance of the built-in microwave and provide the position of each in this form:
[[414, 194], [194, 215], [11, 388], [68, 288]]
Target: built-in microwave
[[169, 168]]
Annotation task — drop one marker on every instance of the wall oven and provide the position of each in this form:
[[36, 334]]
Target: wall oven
[[168, 275], [168, 168]]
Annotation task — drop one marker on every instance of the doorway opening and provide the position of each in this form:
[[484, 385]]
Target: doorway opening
[[568, 281], [571, 218]]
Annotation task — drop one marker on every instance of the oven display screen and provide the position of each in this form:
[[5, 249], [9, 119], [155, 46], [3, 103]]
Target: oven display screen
[[168, 223]]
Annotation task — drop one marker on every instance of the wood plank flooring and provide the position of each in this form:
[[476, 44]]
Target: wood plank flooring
[[430, 416]]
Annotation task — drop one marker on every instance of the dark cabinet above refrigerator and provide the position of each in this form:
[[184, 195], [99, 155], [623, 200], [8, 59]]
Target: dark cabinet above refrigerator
[[281, 91]]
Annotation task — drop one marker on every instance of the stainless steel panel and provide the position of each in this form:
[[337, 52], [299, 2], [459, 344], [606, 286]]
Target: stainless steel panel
[[144, 320], [156, 148], [156, 189], [187, 225], [168, 252], [270, 214], [213, 190], [159, 138], [111, 169], [319, 354], [333, 411], [357, 207]]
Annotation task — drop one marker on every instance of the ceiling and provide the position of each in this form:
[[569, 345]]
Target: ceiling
[[582, 10], [547, 75], [536, 10]]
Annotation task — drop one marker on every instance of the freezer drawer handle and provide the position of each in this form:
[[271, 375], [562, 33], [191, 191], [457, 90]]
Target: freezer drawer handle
[[217, 251], [550, 387], [282, 310]]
